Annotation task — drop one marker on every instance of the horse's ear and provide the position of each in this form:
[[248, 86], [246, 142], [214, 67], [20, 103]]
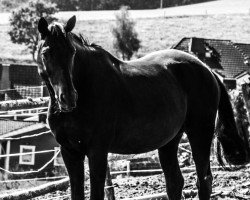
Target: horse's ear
[[43, 27], [68, 27]]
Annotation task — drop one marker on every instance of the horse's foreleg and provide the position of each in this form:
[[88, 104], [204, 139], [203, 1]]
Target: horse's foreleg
[[97, 168], [171, 169], [74, 163]]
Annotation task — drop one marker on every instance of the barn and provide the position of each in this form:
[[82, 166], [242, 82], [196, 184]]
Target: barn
[[35, 146], [229, 60]]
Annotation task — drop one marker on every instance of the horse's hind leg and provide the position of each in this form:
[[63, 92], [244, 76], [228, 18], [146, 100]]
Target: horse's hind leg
[[200, 136], [171, 169]]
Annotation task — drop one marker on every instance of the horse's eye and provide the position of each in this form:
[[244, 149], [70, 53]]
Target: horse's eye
[[42, 73], [45, 52], [45, 56]]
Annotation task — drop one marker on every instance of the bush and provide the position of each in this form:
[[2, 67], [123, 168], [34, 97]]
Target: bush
[[126, 38], [24, 22], [240, 113]]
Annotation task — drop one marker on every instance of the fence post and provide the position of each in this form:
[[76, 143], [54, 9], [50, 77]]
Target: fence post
[[109, 189], [41, 91], [1, 174], [7, 160], [128, 168]]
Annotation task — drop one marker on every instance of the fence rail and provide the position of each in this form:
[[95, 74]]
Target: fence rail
[[27, 111], [34, 179], [33, 171], [22, 104], [26, 153], [8, 155], [25, 136]]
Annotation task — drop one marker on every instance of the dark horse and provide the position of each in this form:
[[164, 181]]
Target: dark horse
[[100, 104]]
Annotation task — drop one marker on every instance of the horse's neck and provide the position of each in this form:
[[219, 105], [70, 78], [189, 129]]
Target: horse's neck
[[90, 59], [95, 67], [81, 62]]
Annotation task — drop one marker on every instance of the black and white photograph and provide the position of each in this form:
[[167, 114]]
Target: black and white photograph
[[124, 99]]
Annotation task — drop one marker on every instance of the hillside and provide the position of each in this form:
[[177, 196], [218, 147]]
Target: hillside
[[155, 33], [157, 29]]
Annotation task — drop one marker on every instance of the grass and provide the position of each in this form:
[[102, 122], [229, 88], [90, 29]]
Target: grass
[[154, 33], [10, 51], [161, 33]]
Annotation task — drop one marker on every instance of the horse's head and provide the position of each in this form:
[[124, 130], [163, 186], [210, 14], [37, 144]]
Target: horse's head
[[55, 62]]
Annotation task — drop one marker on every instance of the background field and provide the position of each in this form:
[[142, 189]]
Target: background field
[[157, 29], [154, 33], [212, 7]]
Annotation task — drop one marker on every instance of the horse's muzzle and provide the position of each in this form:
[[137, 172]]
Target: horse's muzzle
[[67, 102]]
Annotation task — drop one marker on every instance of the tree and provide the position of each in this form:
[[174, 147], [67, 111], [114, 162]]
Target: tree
[[126, 38], [24, 22], [161, 3]]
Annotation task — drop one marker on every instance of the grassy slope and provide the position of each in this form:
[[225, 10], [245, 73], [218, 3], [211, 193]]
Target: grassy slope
[[161, 33], [155, 33]]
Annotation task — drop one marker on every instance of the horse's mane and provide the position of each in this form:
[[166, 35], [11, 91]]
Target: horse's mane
[[84, 42], [57, 29]]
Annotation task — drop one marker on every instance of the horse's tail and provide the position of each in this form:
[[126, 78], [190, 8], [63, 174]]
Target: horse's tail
[[235, 147]]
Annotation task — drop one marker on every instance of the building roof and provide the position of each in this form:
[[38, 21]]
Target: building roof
[[245, 48], [228, 58], [38, 127], [7, 126]]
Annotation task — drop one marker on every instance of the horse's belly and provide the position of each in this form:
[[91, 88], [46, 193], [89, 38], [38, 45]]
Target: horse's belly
[[151, 126], [144, 138]]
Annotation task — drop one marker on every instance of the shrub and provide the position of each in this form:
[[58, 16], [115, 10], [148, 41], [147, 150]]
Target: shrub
[[126, 38], [240, 113]]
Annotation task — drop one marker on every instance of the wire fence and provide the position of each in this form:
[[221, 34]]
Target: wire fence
[[33, 171], [127, 172], [23, 92], [57, 151]]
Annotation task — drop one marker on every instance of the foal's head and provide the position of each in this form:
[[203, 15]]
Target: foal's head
[[55, 62]]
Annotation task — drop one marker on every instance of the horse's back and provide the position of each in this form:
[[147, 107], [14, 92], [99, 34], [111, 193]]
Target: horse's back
[[198, 82], [179, 68], [195, 78]]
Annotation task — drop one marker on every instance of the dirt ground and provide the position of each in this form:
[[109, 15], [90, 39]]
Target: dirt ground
[[227, 185]]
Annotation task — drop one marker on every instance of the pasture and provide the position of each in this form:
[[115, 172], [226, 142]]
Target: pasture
[[154, 33]]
